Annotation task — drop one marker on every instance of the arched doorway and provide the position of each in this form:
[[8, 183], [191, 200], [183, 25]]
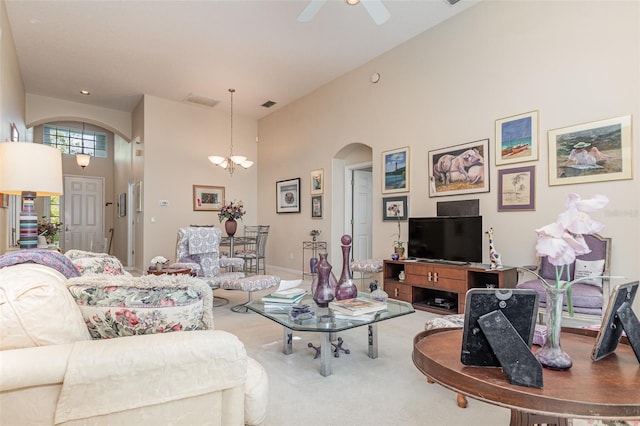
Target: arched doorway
[[352, 190]]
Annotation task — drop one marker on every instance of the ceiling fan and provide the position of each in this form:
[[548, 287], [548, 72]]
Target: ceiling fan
[[376, 9]]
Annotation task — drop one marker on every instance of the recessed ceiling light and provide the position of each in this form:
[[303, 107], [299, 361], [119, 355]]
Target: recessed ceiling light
[[85, 92], [353, 2]]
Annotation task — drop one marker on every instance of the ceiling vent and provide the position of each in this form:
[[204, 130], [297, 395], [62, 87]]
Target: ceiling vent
[[268, 104], [201, 100]]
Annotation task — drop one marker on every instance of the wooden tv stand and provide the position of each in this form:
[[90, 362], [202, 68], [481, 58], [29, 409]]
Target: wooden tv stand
[[441, 287]]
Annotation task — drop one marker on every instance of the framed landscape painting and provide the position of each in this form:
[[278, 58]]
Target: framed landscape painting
[[395, 170], [516, 189], [517, 138], [591, 152], [460, 169], [288, 196], [208, 198]]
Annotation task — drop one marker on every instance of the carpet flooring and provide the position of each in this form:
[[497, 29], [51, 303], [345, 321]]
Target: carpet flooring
[[386, 391]]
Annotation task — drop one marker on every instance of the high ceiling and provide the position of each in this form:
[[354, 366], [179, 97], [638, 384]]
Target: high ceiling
[[120, 50]]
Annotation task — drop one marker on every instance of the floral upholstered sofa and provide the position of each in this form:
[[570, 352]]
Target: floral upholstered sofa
[[61, 364]]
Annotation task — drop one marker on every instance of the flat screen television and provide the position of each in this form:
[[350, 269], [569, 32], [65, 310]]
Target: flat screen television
[[450, 238]]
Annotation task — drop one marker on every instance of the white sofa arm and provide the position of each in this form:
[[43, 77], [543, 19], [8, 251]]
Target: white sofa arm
[[42, 365], [155, 368]]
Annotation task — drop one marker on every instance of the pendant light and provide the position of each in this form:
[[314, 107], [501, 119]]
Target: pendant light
[[229, 163], [83, 159]]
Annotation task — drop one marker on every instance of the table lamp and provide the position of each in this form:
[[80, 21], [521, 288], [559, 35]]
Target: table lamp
[[31, 170]]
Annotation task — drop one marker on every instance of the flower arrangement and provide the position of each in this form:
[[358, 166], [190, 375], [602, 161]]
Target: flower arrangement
[[47, 228], [563, 240], [314, 233], [233, 210], [159, 259], [395, 210]]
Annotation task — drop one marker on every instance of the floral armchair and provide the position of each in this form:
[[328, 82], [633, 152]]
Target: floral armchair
[[198, 248]]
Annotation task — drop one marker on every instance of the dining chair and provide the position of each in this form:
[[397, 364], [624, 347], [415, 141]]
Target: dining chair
[[255, 249]]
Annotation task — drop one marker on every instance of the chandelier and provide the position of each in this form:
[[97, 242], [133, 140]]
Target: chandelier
[[230, 162]]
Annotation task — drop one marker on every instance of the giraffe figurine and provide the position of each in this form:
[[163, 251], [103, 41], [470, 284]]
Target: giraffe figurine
[[494, 256]]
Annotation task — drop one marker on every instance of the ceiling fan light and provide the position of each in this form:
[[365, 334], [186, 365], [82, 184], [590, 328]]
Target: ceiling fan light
[[238, 158], [352, 2], [246, 164], [225, 163], [216, 159]]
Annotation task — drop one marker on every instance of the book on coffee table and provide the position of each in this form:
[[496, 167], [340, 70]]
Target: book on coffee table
[[357, 306], [284, 299]]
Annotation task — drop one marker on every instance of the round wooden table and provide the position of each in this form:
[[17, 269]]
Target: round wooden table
[[607, 389], [170, 271]]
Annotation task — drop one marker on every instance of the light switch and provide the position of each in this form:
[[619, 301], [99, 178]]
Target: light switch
[[164, 203]]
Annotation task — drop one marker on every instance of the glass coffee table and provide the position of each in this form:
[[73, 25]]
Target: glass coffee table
[[326, 323]]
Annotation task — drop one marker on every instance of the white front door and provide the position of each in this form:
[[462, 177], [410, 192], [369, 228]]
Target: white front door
[[83, 223], [362, 217]]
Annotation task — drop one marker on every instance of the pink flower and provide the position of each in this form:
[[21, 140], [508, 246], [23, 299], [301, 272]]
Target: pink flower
[[177, 327], [167, 302], [563, 240]]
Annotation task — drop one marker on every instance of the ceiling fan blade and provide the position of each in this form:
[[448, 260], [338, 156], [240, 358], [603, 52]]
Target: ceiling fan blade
[[379, 13], [310, 11]]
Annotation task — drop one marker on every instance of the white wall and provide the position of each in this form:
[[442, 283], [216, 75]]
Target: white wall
[[178, 138], [12, 102], [574, 62]]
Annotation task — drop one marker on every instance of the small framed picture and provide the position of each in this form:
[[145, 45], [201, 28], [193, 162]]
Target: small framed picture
[[395, 208], [207, 198], [288, 196], [460, 169], [592, 152], [516, 189], [317, 181], [517, 138], [395, 170], [316, 207]]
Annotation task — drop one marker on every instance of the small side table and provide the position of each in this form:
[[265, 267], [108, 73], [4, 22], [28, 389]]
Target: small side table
[[170, 271]]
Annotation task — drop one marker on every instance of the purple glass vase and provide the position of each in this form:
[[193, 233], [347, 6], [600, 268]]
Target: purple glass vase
[[322, 289], [346, 287], [313, 265]]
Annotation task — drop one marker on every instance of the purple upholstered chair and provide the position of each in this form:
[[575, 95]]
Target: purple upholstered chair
[[590, 297]]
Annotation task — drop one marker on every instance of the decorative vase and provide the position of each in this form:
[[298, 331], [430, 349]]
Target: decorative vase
[[230, 226], [324, 291], [551, 355], [159, 266], [314, 238], [313, 265], [346, 288]]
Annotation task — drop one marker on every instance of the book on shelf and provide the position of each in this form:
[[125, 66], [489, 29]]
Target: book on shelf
[[357, 306], [270, 298]]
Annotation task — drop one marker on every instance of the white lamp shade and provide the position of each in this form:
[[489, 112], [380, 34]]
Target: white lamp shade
[[31, 167], [238, 159], [246, 164], [216, 159], [83, 160]]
